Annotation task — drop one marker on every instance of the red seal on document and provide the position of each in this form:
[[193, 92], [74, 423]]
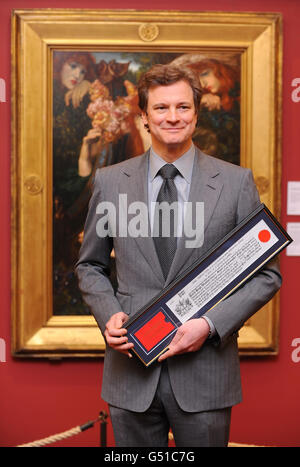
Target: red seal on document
[[264, 235], [154, 331]]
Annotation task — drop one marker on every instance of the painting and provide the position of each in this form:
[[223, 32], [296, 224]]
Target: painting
[[96, 122], [79, 112]]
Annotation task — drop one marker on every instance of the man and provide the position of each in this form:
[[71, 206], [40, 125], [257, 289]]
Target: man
[[196, 382]]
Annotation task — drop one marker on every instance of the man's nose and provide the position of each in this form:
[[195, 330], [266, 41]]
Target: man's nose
[[173, 115]]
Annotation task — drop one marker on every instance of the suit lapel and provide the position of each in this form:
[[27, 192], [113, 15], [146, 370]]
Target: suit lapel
[[206, 187], [134, 183]]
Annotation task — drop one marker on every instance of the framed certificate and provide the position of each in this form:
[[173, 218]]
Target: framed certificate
[[231, 262]]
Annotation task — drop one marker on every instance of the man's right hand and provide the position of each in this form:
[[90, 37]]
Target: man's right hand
[[115, 334]]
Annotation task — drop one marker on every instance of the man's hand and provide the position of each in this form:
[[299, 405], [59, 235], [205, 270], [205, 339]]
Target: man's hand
[[189, 337], [115, 334]]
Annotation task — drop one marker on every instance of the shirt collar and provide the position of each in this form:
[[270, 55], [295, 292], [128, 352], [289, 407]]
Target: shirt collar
[[184, 164]]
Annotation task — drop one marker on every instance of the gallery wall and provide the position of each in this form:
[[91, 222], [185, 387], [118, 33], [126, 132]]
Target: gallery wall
[[40, 398]]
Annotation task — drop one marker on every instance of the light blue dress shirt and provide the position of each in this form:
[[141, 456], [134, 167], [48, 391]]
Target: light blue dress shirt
[[182, 182]]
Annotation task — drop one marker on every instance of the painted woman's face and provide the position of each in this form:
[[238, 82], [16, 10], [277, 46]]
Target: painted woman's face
[[209, 81], [72, 73]]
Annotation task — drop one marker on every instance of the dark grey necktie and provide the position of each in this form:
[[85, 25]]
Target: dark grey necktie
[[166, 245]]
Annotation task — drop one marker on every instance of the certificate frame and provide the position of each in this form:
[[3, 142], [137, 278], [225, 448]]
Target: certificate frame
[[153, 327], [257, 37]]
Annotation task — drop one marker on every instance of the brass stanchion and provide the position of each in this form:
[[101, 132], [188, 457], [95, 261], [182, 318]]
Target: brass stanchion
[[103, 428]]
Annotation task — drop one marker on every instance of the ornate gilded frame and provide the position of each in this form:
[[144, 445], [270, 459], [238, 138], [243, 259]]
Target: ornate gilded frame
[[257, 36]]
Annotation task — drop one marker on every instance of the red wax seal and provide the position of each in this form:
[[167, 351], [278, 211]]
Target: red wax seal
[[154, 331], [264, 235]]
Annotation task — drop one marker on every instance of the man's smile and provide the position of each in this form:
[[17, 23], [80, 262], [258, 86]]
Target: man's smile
[[173, 129]]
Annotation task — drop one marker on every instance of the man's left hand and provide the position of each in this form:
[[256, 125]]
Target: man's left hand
[[189, 337]]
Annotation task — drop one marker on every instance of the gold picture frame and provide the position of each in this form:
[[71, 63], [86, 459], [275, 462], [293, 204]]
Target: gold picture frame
[[257, 37]]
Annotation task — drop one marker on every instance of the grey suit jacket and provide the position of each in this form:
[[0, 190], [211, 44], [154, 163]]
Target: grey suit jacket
[[203, 380]]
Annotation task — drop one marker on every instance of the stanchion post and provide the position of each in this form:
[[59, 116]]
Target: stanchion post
[[103, 428]]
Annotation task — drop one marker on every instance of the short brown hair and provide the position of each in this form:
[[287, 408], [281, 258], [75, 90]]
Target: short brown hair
[[164, 75]]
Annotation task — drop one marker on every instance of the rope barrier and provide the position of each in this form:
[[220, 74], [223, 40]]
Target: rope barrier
[[72, 432], [103, 423]]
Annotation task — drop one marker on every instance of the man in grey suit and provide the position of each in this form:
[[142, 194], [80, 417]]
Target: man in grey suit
[[194, 385]]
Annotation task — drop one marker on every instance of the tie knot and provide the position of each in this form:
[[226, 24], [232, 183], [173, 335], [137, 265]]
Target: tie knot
[[168, 171]]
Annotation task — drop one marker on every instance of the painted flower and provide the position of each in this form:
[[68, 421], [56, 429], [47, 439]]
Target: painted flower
[[106, 115]]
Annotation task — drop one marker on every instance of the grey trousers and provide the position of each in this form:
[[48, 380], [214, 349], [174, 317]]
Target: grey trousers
[[151, 428]]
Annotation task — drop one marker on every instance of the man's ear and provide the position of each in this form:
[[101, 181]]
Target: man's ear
[[144, 117]]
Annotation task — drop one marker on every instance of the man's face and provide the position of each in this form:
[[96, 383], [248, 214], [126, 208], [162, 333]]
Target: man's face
[[171, 116]]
